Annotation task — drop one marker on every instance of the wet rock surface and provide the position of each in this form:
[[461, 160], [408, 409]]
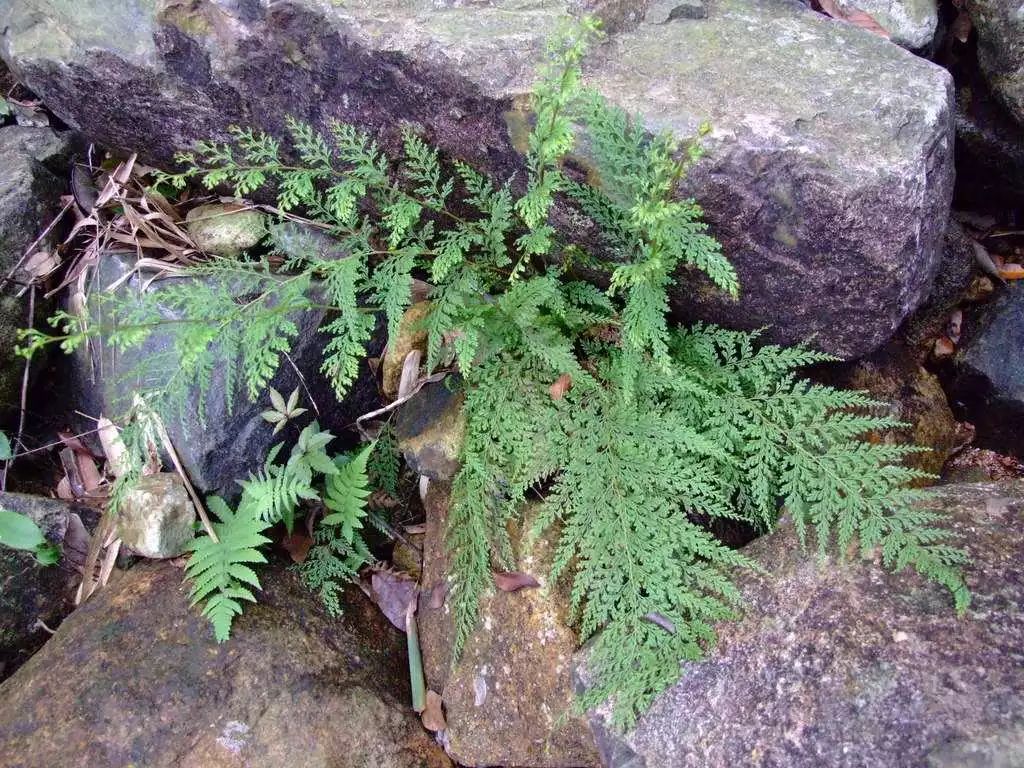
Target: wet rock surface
[[224, 445], [847, 665], [509, 699], [828, 172], [134, 677], [990, 373], [29, 592], [31, 163]]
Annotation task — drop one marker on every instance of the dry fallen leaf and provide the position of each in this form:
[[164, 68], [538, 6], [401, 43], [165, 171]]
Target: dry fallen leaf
[[297, 545], [433, 715], [1011, 272], [562, 385], [853, 15], [393, 593], [512, 581], [944, 348]]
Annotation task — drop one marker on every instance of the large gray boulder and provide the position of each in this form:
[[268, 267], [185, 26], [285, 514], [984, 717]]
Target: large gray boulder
[[134, 677], [32, 162], [1000, 25], [990, 373], [217, 445], [829, 169], [848, 665]]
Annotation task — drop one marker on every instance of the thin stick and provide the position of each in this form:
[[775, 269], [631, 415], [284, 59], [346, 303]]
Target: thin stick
[[391, 406], [36, 242], [24, 394], [302, 381], [200, 509]]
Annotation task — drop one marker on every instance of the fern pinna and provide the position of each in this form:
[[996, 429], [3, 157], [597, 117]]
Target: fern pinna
[[221, 569], [652, 430]]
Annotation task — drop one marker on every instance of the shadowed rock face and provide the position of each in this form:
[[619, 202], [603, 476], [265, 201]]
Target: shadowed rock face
[[31, 160], [1000, 25], [990, 373], [829, 168], [220, 445], [134, 677], [851, 666]]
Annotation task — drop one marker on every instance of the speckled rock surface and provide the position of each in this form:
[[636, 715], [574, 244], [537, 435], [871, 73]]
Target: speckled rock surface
[[1000, 25], [30, 592], [156, 517], [227, 445], [856, 668], [508, 700], [910, 23], [990, 378], [31, 163], [134, 678], [829, 168]]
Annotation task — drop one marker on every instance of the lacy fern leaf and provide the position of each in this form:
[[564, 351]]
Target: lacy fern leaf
[[220, 571]]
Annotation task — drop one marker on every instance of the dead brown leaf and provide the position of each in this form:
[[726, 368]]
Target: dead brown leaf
[[513, 581], [433, 715], [562, 385], [393, 593], [853, 15], [297, 545]]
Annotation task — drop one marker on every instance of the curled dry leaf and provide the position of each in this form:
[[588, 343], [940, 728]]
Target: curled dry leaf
[[433, 714], [944, 348], [562, 385], [513, 581]]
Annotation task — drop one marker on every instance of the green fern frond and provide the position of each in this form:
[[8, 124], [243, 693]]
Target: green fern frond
[[220, 570]]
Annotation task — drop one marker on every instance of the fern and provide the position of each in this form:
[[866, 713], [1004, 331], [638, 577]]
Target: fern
[[339, 550], [652, 431], [220, 570]]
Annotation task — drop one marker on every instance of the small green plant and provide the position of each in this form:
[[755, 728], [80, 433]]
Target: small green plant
[[220, 567], [19, 531], [651, 431]]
